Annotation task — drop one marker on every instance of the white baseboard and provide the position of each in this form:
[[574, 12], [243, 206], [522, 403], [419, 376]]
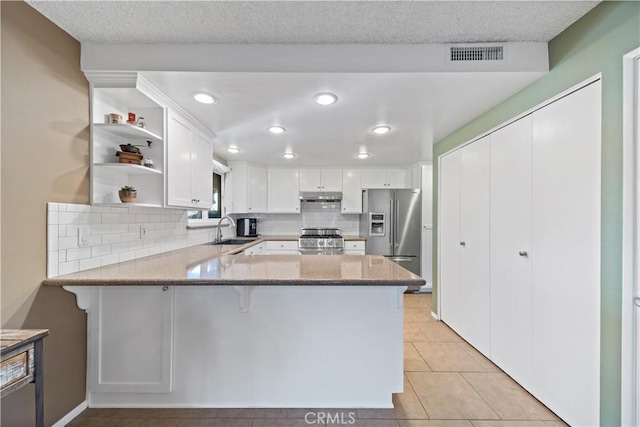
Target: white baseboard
[[71, 415], [435, 316]]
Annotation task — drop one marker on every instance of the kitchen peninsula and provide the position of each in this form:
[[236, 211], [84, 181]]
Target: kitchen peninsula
[[208, 326]]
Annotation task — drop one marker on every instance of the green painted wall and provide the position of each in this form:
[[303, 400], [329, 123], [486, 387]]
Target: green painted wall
[[594, 44]]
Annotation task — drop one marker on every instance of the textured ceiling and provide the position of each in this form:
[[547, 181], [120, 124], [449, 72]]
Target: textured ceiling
[[312, 22]]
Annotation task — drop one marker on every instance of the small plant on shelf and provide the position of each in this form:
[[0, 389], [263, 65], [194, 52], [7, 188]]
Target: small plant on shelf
[[128, 194]]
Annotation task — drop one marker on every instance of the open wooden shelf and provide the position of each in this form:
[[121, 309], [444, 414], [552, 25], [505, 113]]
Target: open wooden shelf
[[128, 132], [128, 168]]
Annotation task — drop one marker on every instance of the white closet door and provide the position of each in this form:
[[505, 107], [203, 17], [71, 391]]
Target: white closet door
[[449, 220], [511, 291], [566, 255], [475, 278]]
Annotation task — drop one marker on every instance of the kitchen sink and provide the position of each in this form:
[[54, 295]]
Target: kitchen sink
[[232, 242]]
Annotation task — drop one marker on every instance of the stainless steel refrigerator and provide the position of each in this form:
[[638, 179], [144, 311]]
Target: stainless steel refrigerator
[[391, 222]]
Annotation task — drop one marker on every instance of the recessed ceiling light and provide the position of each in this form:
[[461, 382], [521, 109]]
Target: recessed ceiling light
[[233, 150], [326, 98], [277, 129], [288, 156], [381, 130], [204, 98], [362, 155]]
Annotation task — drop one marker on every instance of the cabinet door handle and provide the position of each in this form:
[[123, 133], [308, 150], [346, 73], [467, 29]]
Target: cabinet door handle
[[523, 253], [636, 301], [165, 288], [463, 244]]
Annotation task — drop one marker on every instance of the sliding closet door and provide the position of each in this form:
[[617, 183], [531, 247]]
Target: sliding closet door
[[449, 239], [566, 255], [475, 248], [511, 292]]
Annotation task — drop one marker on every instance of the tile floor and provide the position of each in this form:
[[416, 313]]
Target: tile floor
[[447, 384]]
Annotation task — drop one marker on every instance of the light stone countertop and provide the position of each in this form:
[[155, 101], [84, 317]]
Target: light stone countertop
[[214, 265]]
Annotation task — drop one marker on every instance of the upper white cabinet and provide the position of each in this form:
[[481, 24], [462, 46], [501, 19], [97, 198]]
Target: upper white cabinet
[[284, 193], [249, 188], [189, 168], [107, 173], [351, 191], [321, 180], [524, 206], [385, 178]]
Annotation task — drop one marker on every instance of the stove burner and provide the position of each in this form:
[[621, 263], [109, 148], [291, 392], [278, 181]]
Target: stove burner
[[321, 238]]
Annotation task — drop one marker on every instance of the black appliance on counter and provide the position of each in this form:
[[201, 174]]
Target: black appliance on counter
[[247, 227]]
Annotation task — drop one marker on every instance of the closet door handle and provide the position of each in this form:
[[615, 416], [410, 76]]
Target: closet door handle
[[636, 301], [463, 244], [523, 254]]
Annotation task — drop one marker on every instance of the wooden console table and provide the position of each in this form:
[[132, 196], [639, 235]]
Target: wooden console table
[[21, 352]]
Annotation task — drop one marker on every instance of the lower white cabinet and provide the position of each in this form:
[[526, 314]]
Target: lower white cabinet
[[284, 192], [258, 249], [354, 247], [131, 339], [282, 247]]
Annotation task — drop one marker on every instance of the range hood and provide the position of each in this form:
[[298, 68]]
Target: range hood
[[318, 197]]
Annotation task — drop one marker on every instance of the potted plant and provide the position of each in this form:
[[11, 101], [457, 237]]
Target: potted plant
[[128, 194]]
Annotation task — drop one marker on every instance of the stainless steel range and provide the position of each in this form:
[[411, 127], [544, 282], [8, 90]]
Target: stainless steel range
[[321, 241]]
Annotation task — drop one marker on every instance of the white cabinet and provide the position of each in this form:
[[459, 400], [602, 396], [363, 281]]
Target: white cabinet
[[257, 249], [464, 244], [130, 339], [282, 247], [354, 247], [385, 178], [351, 191], [249, 188], [321, 180], [565, 255], [189, 168], [511, 287], [527, 219], [107, 174], [283, 194]]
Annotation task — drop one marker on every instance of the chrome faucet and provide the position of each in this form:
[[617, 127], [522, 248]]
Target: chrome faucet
[[218, 238]]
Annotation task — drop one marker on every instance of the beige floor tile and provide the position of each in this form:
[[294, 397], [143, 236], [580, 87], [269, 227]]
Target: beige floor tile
[[417, 300], [251, 413], [418, 314], [507, 398], [435, 423], [446, 395], [371, 423], [486, 364], [412, 332], [447, 356], [412, 359], [508, 423], [246, 422], [405, 405], [285, 422], [438, 331]]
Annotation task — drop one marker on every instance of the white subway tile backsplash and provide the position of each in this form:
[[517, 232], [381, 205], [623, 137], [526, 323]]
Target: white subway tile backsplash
[[68, 267], [86, 264], [114, 232]]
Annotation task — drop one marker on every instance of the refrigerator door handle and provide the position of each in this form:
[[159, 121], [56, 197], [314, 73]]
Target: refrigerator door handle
[[389, 225], [401, 259], [395, 218]]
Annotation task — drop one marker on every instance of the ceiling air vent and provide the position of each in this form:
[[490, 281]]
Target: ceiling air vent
[[479, 53]]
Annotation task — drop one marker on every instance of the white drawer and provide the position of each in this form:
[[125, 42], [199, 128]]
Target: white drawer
[[354, 246], [255, 249], [282, 245]]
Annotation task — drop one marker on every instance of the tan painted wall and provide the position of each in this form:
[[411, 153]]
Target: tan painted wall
[[45, 119]]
